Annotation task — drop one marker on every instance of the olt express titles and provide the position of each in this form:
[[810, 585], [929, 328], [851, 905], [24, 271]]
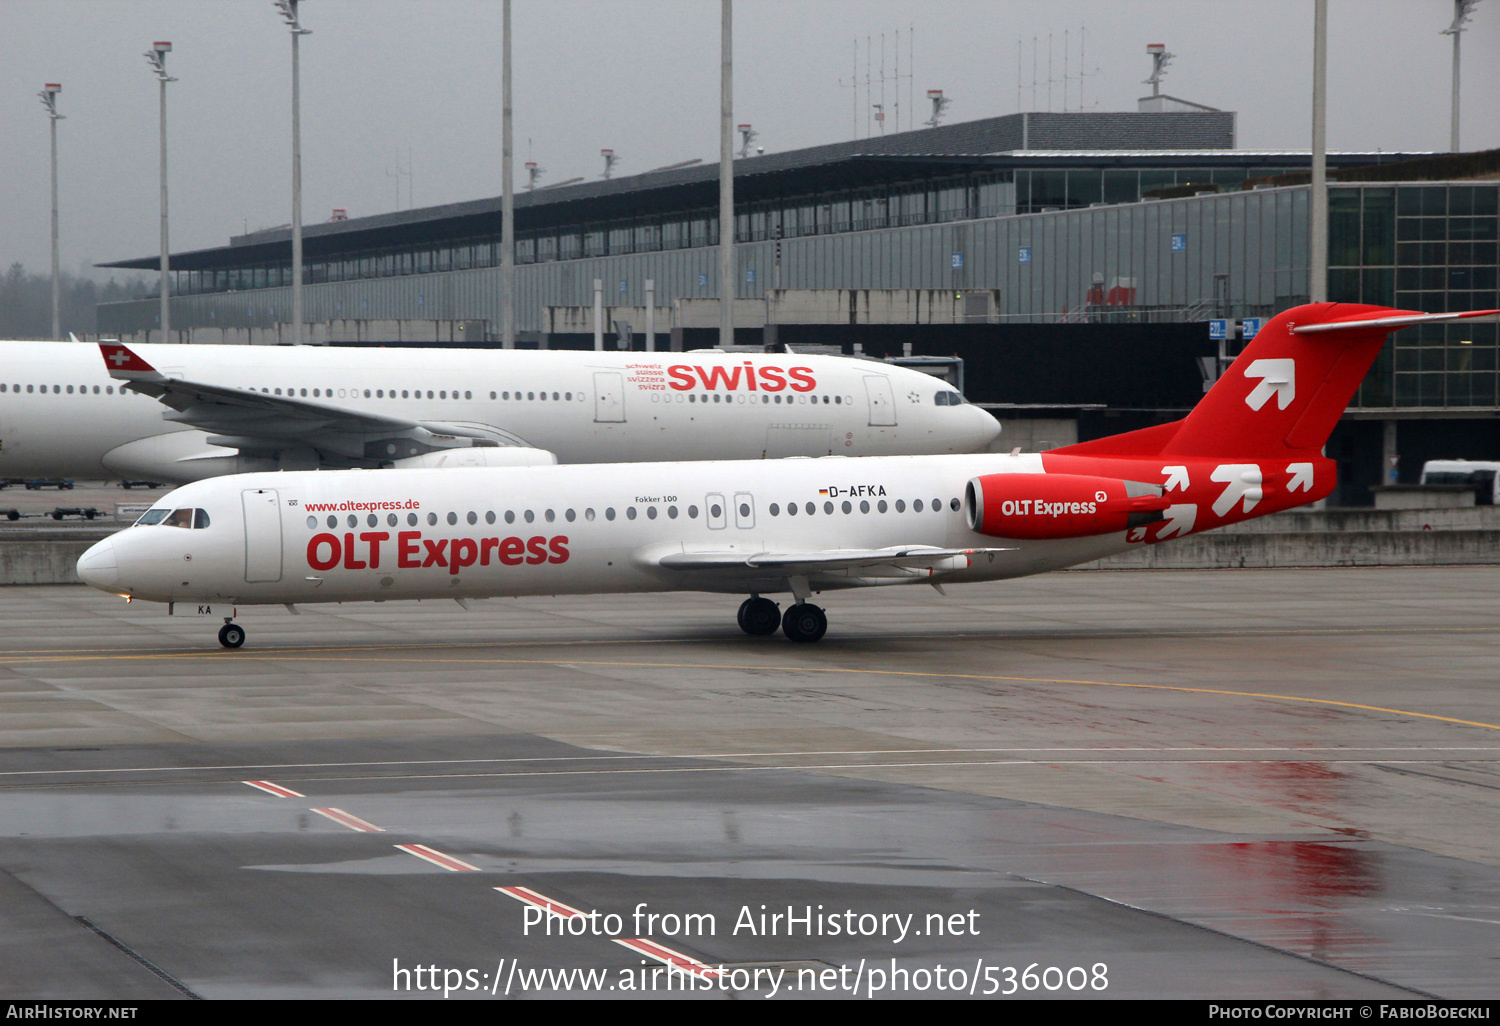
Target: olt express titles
[[371, 549], [766, 379]]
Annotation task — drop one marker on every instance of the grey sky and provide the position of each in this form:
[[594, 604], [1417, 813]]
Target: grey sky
[[641, 76]]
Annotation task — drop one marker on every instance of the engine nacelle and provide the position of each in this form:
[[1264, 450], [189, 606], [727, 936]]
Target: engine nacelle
[[480, 456], [1059, 505]]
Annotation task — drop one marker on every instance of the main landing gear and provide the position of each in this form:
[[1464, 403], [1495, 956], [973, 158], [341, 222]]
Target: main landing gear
[[231, 635], [802, 621], [759, 616]]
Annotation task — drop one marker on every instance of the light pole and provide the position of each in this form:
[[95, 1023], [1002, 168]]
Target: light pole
[[157, 58], [726, 175], [48, 97], [288, 9], [507, 199], [1463, 10], [1317, 270]]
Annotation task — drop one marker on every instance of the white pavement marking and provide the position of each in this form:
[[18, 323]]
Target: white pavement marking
[[541, 901], [437, 858], [350, 821], [276, 789]]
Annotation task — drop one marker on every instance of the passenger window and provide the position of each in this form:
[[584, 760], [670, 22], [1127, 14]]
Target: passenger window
[[152, 516], [312, 523], [827, 507], [810, 509], [881, 506], [473, 517], [953, 504], [353, 520], [510, 516], [917, 506], [550, 516], [847, 508], [390, 520], [489, 517], [452, 518], [588, 514], [570, 516], [775, 509], [468, 395], [333, 521], [432, 520], [900, 505], [650, 512], [692, 512], [179, 518], [864, 505], [411, 520], [529, 516], [630, 513], [200, 519], [609, 513], [372, 520], [671, 512]]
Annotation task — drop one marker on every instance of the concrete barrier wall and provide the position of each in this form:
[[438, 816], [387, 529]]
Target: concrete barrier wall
[[42, 555]]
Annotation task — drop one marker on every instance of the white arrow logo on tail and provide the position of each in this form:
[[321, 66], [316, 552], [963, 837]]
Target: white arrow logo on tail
[[1278, 378], [1180, 520], [1177, 477], [1242, 481], [1302, 477]]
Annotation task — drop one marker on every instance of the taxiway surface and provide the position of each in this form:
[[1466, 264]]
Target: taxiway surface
[[1214, 783]]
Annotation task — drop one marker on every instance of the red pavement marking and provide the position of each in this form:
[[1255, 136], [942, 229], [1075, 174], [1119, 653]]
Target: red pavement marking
[[541, 901], [437, 858], [676, 959], [344, 818], [276, 789]]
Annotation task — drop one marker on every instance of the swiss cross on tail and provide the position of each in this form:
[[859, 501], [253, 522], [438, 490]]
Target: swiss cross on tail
[[124, 363]]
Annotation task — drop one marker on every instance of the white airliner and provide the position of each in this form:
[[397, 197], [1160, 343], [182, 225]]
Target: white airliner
[[1252, 446], [186, 412]]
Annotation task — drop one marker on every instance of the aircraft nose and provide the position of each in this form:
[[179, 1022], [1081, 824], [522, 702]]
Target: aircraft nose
[[987, 429], [97, 567]]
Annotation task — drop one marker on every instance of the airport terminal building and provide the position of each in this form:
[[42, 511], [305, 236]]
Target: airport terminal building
[[1073, 260]]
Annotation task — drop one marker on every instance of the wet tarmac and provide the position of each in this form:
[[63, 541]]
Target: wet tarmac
[[1180, 784]]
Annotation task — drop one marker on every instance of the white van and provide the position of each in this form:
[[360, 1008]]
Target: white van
[[1481, 475]]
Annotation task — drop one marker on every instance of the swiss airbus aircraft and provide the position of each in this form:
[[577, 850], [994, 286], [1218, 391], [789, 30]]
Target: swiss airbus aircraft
[[182, 413], [1252, 446]]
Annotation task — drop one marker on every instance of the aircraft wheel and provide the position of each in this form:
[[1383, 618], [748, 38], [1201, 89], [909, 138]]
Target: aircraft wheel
[[759, 616], [231, 635], [804, 622]]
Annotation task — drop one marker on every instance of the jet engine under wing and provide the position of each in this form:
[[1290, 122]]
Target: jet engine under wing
[[901, 561], [255, 422]]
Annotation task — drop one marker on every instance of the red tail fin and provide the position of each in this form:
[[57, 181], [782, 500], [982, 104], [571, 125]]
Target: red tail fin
[[1283, 395]]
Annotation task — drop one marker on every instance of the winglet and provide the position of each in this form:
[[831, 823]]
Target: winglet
[[122, 362]]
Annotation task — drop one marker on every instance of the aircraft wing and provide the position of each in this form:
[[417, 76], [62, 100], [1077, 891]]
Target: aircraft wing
[[257, 422], [913, 559]]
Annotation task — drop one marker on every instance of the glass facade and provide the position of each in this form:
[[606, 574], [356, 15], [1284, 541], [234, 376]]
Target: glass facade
[[931, 200], [1421, 247]]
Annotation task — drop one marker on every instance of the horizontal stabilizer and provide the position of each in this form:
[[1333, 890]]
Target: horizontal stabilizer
[[1389, 323]]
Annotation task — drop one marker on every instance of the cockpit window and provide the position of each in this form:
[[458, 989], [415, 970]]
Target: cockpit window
[[193, 519], [152, 516], [946, 398]]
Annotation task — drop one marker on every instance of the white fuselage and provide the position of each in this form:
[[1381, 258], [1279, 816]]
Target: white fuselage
[[335, 536], [62, 415]]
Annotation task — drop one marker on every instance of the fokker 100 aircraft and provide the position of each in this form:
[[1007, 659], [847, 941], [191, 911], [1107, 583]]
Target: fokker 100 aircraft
[[186, 412], [1252, 446]]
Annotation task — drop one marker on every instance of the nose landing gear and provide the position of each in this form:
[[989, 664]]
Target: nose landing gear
[[231, 635]]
